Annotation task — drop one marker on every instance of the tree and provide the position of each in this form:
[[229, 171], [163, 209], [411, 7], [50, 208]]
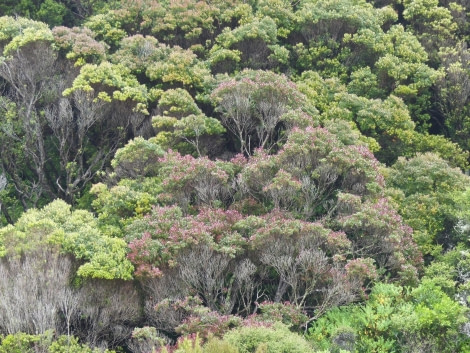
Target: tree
[[426, 185], [193, 129], [181, 120], [432, 24], [108, 311], [49, 142], [194, 182], [139, 158], [275, 338], [253, 105], [27, 84], [73, 232], [80, 44], [452, 93], [35, 291], [254, 42]]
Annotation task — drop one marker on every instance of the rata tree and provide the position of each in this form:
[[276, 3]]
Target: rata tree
[[308, 172], [79, 44], [252, 107], [193, 182], [308, 224], [315, 176], [229, 261], [188, 23]]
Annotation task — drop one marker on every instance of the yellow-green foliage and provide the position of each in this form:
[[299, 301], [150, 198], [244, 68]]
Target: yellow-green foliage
[[111, 81], [17, 32], [425, 187], [215, 345], [25, 343], [274, 339], [74, 232]]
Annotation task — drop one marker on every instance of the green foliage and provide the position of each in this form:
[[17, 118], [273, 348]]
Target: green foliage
[[276, 338], [24, 343], [107, 28], [108, 81], [120, 205], [193, 127], [386, 124], [327, 26], [165, 66], [190, 345], [177, 67], [427, 184], [256, 41], [452, 92], [392, 318], [16, 33], [52, 12], [178, 103], [21, 343], [137, 159], [281, 12], [186, 23], [66, 344], [215, 345], [74, 232], [432, 24], [438, 144]]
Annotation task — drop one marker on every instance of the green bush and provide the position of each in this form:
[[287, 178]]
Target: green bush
[[276, 339], [216, 345], [24, 343]]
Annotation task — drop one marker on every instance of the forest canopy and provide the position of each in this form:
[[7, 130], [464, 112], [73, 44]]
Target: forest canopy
[[234, 176]]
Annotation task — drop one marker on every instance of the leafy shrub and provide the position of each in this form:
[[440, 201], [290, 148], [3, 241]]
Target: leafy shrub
[[392, 319], [216, 345], [25, 343], [277, 339]]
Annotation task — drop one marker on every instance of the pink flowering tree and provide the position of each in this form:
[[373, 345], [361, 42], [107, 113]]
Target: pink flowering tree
[[192, 181], [309, 225], [306, 175]]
